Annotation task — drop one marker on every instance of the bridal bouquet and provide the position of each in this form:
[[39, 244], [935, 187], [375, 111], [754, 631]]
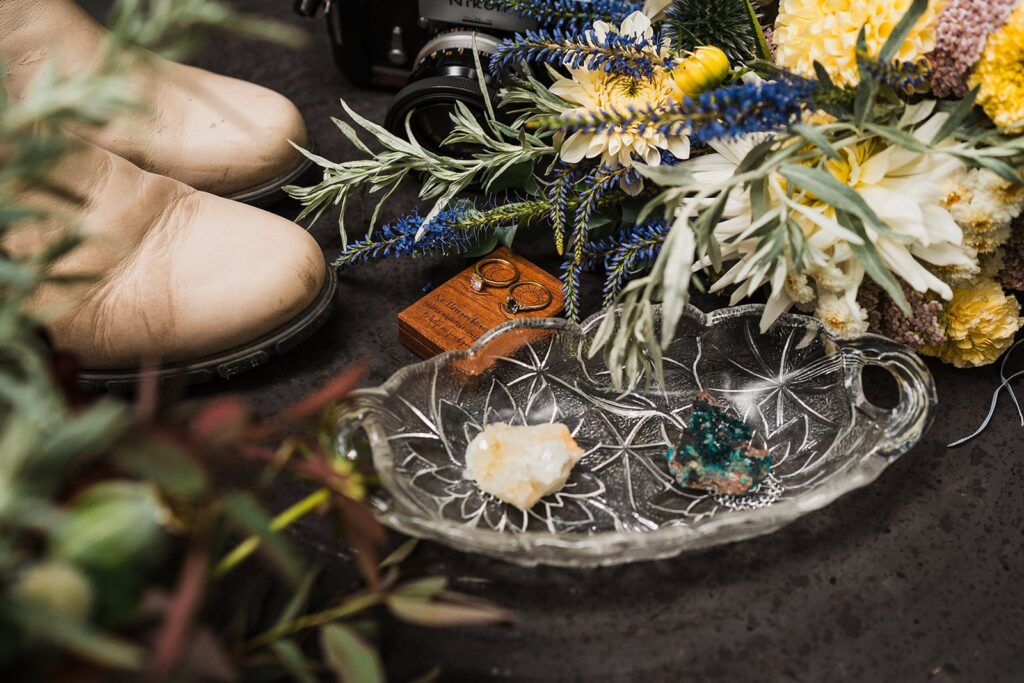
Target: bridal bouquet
[[855, 159]]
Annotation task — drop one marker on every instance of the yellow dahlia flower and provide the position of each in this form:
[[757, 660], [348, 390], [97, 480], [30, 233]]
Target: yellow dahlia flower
[[600, 90], [825, 31], [981, 321], [1000, 73]]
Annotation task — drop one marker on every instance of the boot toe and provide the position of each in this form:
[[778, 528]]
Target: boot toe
[[176, 274], [240, 137], [244, 273], [213, 133]]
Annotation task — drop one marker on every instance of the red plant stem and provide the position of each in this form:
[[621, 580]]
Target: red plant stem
[[147, 396], [172, 640], [337, 389], [319, 470]]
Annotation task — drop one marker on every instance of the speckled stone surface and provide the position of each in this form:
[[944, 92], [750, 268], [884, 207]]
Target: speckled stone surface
[[918, 577]]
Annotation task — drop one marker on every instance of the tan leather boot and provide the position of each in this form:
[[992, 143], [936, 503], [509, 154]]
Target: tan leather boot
[[184, 278], [214, 133]]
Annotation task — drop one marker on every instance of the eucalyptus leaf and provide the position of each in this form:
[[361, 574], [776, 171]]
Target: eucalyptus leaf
[[830, 190], [247, 514], [667, 176], [111, 525], [816, 138], [957, 116], [506, 235], [424, 588], [422, 612], [822, 75], [82, 639], [399, 554], [350, 134], [1003, 169], [763, 50], [349, 656], [513, 174], [531, 187], [898, 137], [294, 662], [166, 464], [899, 34], [484, 248]]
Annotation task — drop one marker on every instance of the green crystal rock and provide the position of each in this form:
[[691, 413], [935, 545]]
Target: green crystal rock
[[717, 455]]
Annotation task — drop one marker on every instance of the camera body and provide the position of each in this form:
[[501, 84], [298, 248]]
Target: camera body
[[423, 49], [378, 43]]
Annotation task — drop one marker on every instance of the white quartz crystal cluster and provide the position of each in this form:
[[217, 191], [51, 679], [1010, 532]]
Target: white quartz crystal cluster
[[521, 465]]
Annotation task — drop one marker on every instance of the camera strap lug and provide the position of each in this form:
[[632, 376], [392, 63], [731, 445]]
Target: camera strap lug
[[311, 9]]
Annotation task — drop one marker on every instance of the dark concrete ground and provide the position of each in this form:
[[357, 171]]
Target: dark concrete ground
[[918, 577]]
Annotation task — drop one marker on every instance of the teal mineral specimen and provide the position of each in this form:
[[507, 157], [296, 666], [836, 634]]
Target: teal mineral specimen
[[717, 455]]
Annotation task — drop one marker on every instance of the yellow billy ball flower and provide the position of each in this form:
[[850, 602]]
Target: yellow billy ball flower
[[981, 321], [825, 31], [706, 68], [1000, 73]]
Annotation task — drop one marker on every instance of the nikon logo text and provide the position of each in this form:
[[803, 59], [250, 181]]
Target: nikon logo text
[[472, 13], [486, 5]]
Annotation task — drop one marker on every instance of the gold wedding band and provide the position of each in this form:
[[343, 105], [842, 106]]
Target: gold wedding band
[[513, 305], [478, 280]]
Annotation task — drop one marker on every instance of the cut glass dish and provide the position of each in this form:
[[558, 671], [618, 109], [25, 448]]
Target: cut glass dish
[[799, 387]]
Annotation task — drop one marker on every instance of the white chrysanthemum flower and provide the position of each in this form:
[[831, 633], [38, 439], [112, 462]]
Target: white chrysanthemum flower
[[905, 190], [599, 90]]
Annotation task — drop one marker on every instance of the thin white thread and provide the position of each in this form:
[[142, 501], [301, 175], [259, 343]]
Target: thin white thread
[[1005, 384]]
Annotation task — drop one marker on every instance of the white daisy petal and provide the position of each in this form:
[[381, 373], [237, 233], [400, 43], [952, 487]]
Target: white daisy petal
[[574, 149], [679, 146]]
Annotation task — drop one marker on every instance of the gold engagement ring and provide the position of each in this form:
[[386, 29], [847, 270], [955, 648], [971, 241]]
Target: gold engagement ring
[[479, 279]]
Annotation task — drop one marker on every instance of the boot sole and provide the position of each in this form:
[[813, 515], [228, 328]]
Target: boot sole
[[270, 193], [231, 362]]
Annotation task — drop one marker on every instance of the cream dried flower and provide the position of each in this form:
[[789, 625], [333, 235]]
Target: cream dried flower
[[841, 314], [984, 205]]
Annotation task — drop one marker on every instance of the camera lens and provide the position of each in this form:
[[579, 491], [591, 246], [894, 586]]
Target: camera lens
[[444, 73]]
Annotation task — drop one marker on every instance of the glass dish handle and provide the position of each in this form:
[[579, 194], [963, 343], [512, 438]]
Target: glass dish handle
[[916, 388], [351, 420]]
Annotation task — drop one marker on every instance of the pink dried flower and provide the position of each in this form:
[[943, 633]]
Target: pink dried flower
[[960, 36], [769, 38], [922, 328], [1012, 274]]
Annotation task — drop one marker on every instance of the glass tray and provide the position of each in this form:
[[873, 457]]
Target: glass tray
[[799, 387]]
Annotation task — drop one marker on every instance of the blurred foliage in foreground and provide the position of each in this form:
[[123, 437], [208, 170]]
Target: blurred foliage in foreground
[[120, 553]]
